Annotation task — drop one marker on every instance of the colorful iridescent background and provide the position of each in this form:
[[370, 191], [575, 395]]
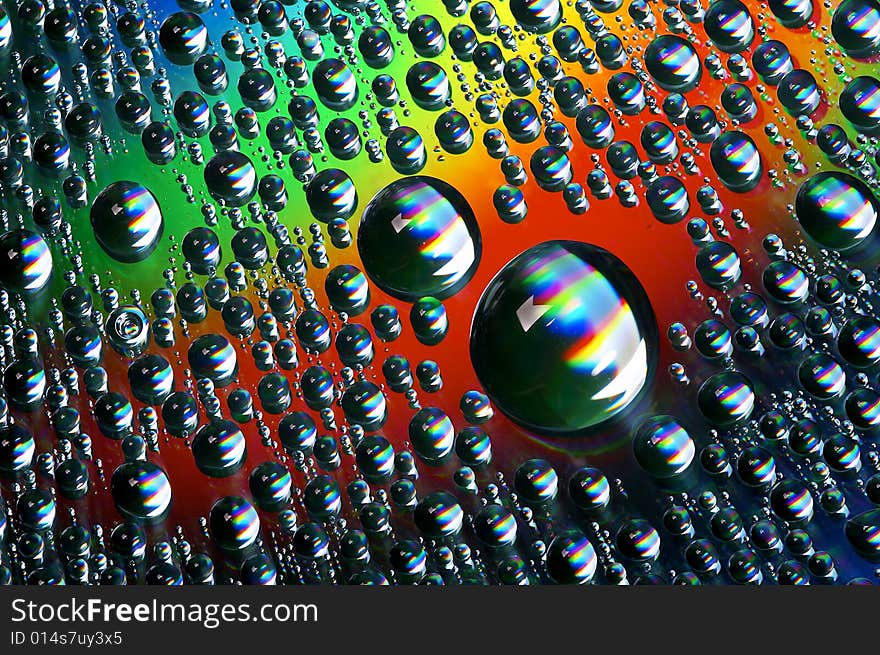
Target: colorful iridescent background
[[632, 535]]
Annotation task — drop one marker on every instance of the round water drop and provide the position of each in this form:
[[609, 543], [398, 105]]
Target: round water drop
[[475, 407], [859, 341], [473, 447], [860, 103], [719, 265], [342, 138], [536, 481], [432, 435], [726, 398], [495, 526], [736, 160], [799, 93], [663, 448], [453, 131], [313, 331], [364, 404], [428, 85], [317, 387], [51, 154], [729, 25], [673, 63], [538, 16], [792, 13], [713, 339], [837, 210], [842, 454], [376, 46], [259, 570], [219, 449], [347, 289], [270, 484], [354, 345], [510, 204], [211, 356], [331, 194], [256, 87], [159, 142], [627, 93], [24, 381], [589, 489], [210, 73], [322, 497], [335, 84], [180, 413], [429, 320], [638, 540], [786, 281], [863, 408], [36, 510], [274, 392], [193, 114], [570, 96], [589, 318], [855, 26], [27, 262], [311, 542], [375, 458], [863, 533], [297, 432], [571, 558], [183, 37], [84, 345], [739, 103], [822, 376], [756, 467], [772, 61], [659, 142], [426, 36], [234, 523], [406, 150], [16, 451], [433, 232], [439, 515], [667, 199], [141, 492], [551, 168], [231, 178], [787, 331], [127, 221], [595, 127], [151, 379], [114, 415], [522, 121], [201, 248]]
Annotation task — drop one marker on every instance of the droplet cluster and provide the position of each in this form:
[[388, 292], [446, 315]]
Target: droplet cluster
[[466, 292]]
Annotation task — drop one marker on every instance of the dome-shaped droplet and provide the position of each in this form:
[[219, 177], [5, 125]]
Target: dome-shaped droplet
[[673, 63], [736, 160], [183, 37], [431, 229], [127, 221], [141, 491], [27, 262], [590, 320], [219, 449], [234, 523], [838, 210], [230, 176], [663, 448], [211, 356]]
